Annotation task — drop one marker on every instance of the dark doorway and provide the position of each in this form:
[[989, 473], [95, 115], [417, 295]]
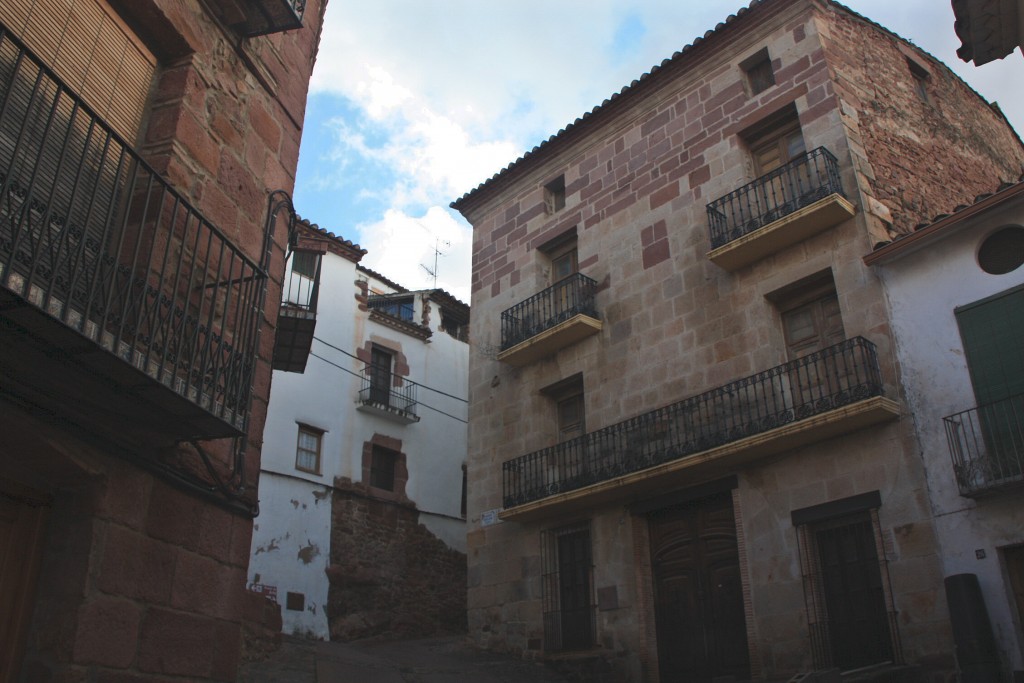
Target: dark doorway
[[698, 594], [380, 376], [851, 580]]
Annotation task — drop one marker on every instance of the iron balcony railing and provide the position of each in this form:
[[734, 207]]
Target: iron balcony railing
[[815, 384], [987, 446], [566, 298], [93, 236], [801, 182], [260, 17], [378, 390]]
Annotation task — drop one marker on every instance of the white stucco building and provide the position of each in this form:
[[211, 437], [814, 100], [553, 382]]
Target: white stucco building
[[371, 434], [956, 291]]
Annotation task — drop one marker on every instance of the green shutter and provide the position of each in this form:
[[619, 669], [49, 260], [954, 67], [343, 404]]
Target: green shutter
[[993, 335]]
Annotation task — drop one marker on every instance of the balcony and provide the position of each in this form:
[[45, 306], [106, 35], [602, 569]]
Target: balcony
[[780, 209], [379, 396], [824, 394], [296, 319], [987, 446], [122, 309], [259, 17], [548, 321]]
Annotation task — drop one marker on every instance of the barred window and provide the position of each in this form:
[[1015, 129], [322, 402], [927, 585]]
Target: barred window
[[567, 588], [850, 610]]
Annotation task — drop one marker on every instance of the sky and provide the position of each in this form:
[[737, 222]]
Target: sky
[[414, 103]]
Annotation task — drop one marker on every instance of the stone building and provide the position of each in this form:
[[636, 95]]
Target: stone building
[[141, 258], [689, 452], [362, 526], [961, 359]]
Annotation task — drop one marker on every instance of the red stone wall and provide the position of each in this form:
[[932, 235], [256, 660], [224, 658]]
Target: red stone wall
[[140, 579], [389, 575], [923, 157]]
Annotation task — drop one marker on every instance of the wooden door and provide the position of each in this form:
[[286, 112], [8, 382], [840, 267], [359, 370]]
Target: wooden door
[[380, 377], [858, 622], [698, 594], [810, 327], [1015, 569], [21, 533]]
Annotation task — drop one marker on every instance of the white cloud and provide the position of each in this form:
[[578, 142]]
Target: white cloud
[[400, 245], [447, 94]]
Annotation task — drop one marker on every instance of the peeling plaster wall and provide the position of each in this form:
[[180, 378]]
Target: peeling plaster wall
[[923, 291], [326, 397]]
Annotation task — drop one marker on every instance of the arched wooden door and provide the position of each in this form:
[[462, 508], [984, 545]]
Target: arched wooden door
[[698, 594]]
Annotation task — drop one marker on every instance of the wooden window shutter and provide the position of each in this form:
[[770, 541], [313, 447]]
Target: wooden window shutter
[[93, 51]]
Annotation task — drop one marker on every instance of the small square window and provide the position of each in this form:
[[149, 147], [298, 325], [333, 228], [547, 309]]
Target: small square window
[[759, 71], [296, 602], [554, 195], [307, 451], [382, 468]]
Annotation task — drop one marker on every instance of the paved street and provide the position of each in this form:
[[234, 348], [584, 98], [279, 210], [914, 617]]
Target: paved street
[[432, 660]]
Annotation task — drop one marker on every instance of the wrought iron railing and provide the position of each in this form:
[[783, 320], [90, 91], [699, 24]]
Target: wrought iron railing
[[815, 384], [379, 390], [987, 446], [801, 182], [568, 297], [93, 236]]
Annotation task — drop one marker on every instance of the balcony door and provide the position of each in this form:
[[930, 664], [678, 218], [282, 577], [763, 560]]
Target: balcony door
[[698, 594], [380, 376], [992, 330], [775, 143], [812, 322]]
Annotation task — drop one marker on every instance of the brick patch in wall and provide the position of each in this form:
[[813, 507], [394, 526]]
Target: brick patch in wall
[[654, 239], [389, 575]]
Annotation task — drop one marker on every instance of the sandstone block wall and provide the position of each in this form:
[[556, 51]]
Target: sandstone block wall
[[638, 175]]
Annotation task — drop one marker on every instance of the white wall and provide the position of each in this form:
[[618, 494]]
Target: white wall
[[923, 288], [325, 397]]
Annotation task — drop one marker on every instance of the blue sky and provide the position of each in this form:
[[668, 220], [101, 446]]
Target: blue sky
[[415, 102]]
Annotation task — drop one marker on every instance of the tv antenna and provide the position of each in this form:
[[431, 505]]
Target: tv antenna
[[437, 252]]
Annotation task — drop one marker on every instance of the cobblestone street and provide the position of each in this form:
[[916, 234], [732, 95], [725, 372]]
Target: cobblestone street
[[432, 660]]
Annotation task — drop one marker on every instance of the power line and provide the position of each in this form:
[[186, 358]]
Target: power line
[[356, 374], [340, 350]]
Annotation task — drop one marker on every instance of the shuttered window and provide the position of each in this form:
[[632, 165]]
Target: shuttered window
[[90, 49]]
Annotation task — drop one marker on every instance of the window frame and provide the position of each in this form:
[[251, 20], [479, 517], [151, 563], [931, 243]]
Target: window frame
[[383, 461], [758, 71], [554, 195], [318, 434], [558, 621]]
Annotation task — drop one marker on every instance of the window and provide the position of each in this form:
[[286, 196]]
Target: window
[[776, 141], [567, 396], [92, 50], [759, 72], [554, 195], [380, 376], [382, 468], [462, 505], [991, 331], [921, 77], [850, 610], [307, 451], [567, 588], [811, 319], [1003, 251], [401, 307], [305, 263]]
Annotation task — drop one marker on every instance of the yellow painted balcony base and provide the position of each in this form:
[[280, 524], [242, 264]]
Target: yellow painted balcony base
[[785, 232], [712, 463], [551, 340]]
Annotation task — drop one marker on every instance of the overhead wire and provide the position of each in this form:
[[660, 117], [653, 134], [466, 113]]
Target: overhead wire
[[350, 355], [356, 374]]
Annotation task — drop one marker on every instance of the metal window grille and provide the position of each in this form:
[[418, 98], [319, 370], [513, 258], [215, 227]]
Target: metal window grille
[[382, 468], [851, 616], [567, 588]]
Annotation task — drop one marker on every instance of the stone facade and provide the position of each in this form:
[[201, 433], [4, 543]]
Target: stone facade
[[638, 172], [139, 562]]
